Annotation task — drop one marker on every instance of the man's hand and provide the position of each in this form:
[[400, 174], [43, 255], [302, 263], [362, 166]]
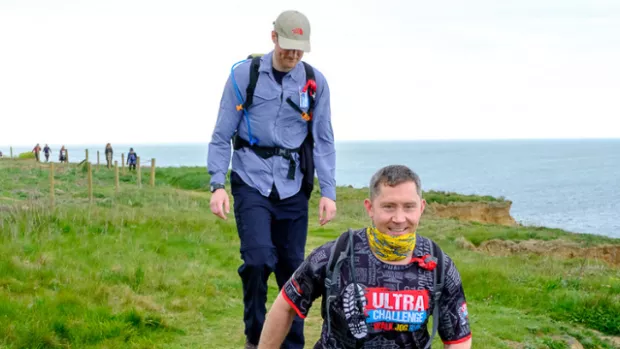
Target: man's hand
[[220, 203], [327, 210]]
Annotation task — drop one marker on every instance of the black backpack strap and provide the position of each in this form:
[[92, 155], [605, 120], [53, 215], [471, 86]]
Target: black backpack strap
[[310, 76], [306, 158], [249, 94], [337, 255], [439, 278], [311, 97], [249, 98], [337, 248]]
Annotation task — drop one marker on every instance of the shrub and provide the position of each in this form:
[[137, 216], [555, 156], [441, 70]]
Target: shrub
[[26, 155]]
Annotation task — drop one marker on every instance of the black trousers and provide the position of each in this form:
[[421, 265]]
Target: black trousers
[[273, 236]]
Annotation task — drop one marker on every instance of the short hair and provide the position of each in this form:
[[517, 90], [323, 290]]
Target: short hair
[[393, 175]]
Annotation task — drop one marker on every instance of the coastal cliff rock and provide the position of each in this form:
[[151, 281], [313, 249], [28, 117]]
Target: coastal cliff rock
[[558, 248], [482, 212]]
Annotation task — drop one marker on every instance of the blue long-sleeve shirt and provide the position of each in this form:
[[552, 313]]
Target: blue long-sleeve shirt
[[274, 123]]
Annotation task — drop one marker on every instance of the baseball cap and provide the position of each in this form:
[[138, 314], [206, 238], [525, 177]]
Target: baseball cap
[[293, 30]]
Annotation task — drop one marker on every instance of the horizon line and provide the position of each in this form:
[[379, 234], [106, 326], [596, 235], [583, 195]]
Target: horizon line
[[341, 141]]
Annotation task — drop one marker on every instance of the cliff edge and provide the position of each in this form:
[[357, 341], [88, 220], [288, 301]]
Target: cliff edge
[[494, 212]]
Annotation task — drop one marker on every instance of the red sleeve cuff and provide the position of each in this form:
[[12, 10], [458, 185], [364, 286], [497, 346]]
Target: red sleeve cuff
[[290, 302], [458, 340]]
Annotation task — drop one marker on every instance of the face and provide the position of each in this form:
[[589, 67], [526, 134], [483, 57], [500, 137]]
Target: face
[[286, 59], [396, 210]]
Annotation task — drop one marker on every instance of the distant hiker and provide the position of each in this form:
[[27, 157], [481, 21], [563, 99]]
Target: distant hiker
[[47, 151], [37, 150], [382, 291], [0, 153], [108, 154], [132, 159], [62, 156], [277, 142]]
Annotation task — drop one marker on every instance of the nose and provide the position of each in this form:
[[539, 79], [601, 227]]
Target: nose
[[399, 216]]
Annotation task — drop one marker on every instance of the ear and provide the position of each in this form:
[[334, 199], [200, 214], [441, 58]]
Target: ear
[[274, 37], [422, 206], [368, 206]]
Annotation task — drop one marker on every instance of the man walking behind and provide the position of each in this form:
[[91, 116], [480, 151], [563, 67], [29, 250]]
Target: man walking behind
[[273, 164]]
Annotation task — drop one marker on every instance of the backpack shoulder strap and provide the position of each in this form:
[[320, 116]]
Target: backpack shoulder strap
[[310, 76], [440, 272], [439, 278], [252, 84], [337, 249], [309, 71], [332, 274]]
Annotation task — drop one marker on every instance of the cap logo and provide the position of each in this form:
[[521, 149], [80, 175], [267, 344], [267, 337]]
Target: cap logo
[[298, 31]]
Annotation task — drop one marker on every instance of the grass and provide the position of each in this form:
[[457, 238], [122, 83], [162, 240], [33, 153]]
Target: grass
[[153, 268], [442, 197], [26, 155]]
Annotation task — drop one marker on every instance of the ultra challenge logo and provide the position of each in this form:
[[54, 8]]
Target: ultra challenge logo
[[396, 310]]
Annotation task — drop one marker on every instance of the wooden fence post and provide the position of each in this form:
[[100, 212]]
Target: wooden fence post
[[152, 172], [90, 182], [116, 175], [97, 159], [11, 152], [52, 185], [139, 172], [86, 151], [67, 154], [123, 163]]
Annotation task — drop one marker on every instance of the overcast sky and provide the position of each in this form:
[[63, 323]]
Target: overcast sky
[[140, 71]]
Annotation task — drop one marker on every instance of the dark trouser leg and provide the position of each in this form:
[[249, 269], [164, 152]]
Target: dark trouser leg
[[253, 217], [289, 233]]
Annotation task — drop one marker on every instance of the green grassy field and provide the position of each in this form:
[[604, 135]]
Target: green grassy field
[[153, 268]]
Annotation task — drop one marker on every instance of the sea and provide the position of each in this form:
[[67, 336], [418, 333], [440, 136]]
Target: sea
[[571, 184]]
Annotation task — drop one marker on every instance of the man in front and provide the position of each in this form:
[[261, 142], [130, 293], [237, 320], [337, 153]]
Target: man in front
[[268, 185], [385, 287]]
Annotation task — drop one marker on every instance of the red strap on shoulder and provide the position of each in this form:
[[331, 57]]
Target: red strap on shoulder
[[426, 262], [310, 85]]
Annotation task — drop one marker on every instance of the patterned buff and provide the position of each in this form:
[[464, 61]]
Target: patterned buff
[[391, 248]]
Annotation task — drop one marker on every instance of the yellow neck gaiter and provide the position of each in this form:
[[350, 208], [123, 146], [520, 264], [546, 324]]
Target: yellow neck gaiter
[[390, 248]]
